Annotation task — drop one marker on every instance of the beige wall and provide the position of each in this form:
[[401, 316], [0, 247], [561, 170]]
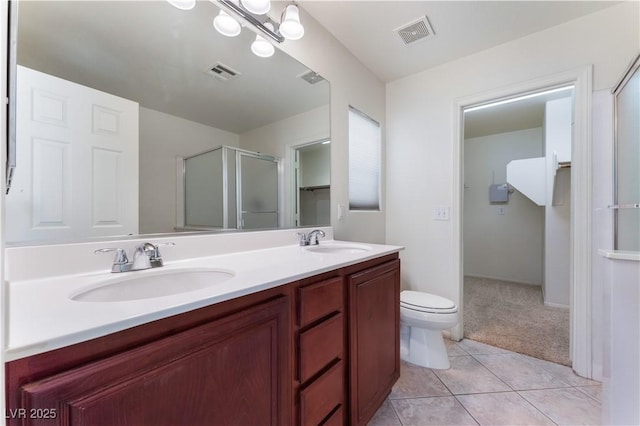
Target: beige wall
[[163, 138], [505, 246], [420, 127], [351, 84]]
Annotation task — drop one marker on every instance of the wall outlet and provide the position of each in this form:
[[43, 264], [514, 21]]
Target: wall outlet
[[340, 211], [441, 213], [502, 210]]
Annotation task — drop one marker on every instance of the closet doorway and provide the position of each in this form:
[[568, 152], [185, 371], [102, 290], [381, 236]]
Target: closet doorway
[[516, 223], [311, 184]]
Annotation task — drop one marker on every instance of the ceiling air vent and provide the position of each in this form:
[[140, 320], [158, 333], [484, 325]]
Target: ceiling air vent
[[223, 72], [415, 31], [311, 77]]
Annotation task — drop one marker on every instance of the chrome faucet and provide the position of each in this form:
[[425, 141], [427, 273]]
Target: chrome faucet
[[310, 239], [145, 256]]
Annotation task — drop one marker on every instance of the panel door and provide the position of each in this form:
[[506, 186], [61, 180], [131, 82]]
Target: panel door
[[374, 338], [77, 162]]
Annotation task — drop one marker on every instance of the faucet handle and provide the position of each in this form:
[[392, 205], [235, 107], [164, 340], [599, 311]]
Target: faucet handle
[[121, 255], [303, 238], [120, 262], [156, 257]]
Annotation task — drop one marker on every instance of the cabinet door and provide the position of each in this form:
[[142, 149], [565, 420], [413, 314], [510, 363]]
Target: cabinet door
[[232, 371], [374, 338]]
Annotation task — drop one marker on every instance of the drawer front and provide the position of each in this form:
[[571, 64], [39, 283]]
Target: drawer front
[[322, 397], [319, 300], [320, 345]]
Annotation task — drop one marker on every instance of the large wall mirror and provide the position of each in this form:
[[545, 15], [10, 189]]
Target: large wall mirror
[[121, 105]]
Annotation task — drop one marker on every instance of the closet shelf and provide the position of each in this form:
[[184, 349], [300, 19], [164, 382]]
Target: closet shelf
[[313, 188]]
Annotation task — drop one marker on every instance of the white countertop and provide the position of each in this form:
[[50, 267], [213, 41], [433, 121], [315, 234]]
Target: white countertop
[[42, 317]]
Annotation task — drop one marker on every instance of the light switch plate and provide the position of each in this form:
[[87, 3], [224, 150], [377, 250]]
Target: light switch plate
[[441, 213]]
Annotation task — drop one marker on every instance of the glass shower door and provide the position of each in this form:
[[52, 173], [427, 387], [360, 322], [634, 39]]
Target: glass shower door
[[257, 191]]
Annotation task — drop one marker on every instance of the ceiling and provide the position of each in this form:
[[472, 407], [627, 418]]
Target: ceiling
[[509, 117], [160, 56], [366, 28]]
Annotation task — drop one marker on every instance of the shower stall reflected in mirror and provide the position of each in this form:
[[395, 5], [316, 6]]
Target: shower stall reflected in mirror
[[228, 188]]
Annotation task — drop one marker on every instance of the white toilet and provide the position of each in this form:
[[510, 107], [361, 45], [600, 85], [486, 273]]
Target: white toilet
[[423, 316]]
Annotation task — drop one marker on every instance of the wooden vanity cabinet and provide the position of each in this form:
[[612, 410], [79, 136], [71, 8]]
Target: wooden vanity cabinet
[[225, 364], [320, 351], [374, 337]]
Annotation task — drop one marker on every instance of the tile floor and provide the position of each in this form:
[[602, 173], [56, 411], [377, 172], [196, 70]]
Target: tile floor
[[490, 386]]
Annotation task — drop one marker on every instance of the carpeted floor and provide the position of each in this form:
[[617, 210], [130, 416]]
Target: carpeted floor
[[512, 316]]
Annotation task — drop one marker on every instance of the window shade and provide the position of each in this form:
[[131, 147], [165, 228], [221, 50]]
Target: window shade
[[364, 162]]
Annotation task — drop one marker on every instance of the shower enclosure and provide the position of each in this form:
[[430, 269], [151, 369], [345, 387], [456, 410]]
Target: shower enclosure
[[231, 188]]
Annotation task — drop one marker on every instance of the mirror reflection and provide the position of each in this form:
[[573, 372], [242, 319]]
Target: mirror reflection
[[126, 103]]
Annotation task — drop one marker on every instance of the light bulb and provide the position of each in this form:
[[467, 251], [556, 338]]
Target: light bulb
[[291, 28], [259, 7], [261, 47], [226, 25], [183, 4]]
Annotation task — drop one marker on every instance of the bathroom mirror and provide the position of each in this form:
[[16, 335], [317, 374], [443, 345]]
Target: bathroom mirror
[[627, 157], [168, 81]]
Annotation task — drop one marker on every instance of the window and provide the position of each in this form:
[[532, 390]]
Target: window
[[364, 162]]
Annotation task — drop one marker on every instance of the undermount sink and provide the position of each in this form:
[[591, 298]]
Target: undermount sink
[[338, 248], [147, 285]]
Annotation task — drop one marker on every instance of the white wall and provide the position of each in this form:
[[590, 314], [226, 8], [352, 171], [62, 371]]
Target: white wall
[[420, 127], [164, 137], [275, 138], [510, 246], [351, 84], [557, 212]]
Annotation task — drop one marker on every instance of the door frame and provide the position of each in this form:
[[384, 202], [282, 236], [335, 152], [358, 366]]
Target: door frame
[[581, 325]]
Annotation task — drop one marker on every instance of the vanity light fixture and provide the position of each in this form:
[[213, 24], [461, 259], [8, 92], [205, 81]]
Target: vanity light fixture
[[262, 47], [235, 13], [183, 4], [257, 7], [226, 25], [290, 26]]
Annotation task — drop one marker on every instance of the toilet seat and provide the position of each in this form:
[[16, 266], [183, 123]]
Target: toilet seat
[[425, 302]]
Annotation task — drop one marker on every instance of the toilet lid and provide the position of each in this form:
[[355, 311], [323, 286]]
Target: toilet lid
[[427, 302]]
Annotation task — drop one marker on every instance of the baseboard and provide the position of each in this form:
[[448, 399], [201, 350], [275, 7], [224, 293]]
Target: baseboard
[[556, 305], [502, 279]]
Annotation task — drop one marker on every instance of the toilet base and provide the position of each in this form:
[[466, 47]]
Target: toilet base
[[426, 349]]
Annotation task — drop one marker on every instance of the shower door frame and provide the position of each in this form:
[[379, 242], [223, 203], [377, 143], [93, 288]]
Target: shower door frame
[[225, 185]]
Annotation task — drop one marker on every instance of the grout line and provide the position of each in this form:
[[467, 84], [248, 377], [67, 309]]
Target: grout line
[[465, 409], [536, 408]]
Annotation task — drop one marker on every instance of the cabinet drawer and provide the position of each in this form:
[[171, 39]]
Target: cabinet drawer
[[319, 300], [320, 345], [319, 399]]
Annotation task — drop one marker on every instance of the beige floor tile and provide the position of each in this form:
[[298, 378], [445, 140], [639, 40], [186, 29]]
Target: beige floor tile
[[562, 372], [467, 375], [385, 416], [417, 382], [566, 406], [473, 348], [441, 410], [519, 372], [594, 392], [505, 408], [454, 349]]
